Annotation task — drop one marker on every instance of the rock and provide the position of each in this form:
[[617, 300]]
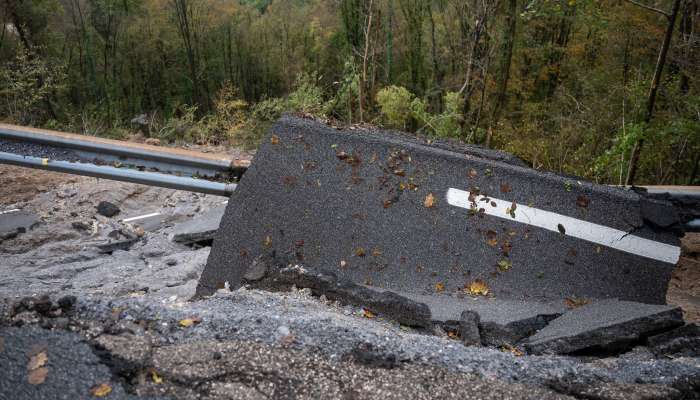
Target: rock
[[367, 355], [80, 226], [270, 273], [114, 245], [67, 302], [609, 325], [683, 341], [621, 391], [469, 328], [14, 223], [501, 322], [107, 209], [199, 229]]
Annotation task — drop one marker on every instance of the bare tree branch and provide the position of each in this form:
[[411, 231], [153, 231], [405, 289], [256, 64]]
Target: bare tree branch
[[656, 10]]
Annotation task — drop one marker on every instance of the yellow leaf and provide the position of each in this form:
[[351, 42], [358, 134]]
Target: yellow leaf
[[101, 390], [367, 313], [187, 322], [156, 378], [439, 287], [267, 242], [360, 252], [37, 361], [477, 288], [508, 348], [37, 376], [429, 201], [504, 265]]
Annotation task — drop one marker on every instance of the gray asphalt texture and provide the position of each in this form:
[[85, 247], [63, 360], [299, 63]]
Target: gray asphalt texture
[[319, 194], [37, 150]]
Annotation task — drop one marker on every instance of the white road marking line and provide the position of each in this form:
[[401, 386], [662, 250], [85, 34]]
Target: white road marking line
[[140, 217], [14, 210], [577, 228]]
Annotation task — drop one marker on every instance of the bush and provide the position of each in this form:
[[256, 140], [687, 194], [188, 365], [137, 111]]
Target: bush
[[395, 103]]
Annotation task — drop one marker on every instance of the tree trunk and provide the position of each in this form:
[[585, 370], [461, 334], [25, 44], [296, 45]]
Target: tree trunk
[[504, 66], [651, 100]]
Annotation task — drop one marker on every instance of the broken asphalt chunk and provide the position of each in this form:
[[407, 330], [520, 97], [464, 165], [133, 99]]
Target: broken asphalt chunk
[[605, 325]]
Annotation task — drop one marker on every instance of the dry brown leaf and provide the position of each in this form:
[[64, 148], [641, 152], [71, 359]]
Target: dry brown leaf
[[37, 361], [508, 348], [360, 252], [37, 376], [429, 201], [275, 139], [574, 302], [472, 173], [287, 340], [101, 390], [477, 287], [376, 252], [267, 242], [452, 335], [367, 313], [343, 263], [492, 242], [439, 287]]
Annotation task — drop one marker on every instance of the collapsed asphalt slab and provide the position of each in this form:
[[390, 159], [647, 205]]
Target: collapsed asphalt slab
[[604, 325], [387, 211]]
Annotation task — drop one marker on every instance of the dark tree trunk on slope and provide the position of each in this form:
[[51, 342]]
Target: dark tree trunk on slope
[[505, 61], [651, 99]]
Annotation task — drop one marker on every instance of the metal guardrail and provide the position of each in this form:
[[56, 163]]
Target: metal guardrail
[[114, 152], [120, 174]]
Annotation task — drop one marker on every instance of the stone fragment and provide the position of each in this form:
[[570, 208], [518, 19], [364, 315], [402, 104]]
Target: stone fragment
[[469, 328], [609, 325], [683, 341], [107, 209]]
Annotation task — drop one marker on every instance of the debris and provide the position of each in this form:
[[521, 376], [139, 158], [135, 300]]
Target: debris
[[429, 201], [439, 287], [606, 324], [37, 376], [200, 229], [469, 328], [107, 209], [156, 378], [477, 288], [683, 341], [187, 322], [101, 390], [37, 361]]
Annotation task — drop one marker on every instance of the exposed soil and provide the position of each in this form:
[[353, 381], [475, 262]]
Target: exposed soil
[[22, 184]]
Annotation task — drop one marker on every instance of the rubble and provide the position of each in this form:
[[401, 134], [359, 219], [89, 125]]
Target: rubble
[[610, 325], [107, 209]]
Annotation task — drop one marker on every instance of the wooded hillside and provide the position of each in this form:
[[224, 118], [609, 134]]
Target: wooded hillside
[[576, 86]]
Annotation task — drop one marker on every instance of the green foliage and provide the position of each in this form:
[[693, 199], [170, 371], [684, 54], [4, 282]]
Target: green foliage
[[395, 104], [26, 83]]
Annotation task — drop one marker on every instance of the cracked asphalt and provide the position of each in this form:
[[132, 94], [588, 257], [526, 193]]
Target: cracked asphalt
[[126, 326]]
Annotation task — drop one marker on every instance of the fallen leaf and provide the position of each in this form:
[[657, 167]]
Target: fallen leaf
[[267, 242], [582, 201], [506, 247], [472, 173], [574, 302], [287, 340], [511, 210], [452, 335], [367, 313], [561, 229], [505, 188], [477, 288], [376, 252], [101, 390], [492, 242], [275, 139], [439, 287], [504, 265], [508, 348], [343, 264], [360, 252], [488, 172], [37, 376], [187, 322], [156, 378], [37, 361], [429, 201]]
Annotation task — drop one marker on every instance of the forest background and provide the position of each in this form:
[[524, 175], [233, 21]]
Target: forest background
[[578, 86]]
